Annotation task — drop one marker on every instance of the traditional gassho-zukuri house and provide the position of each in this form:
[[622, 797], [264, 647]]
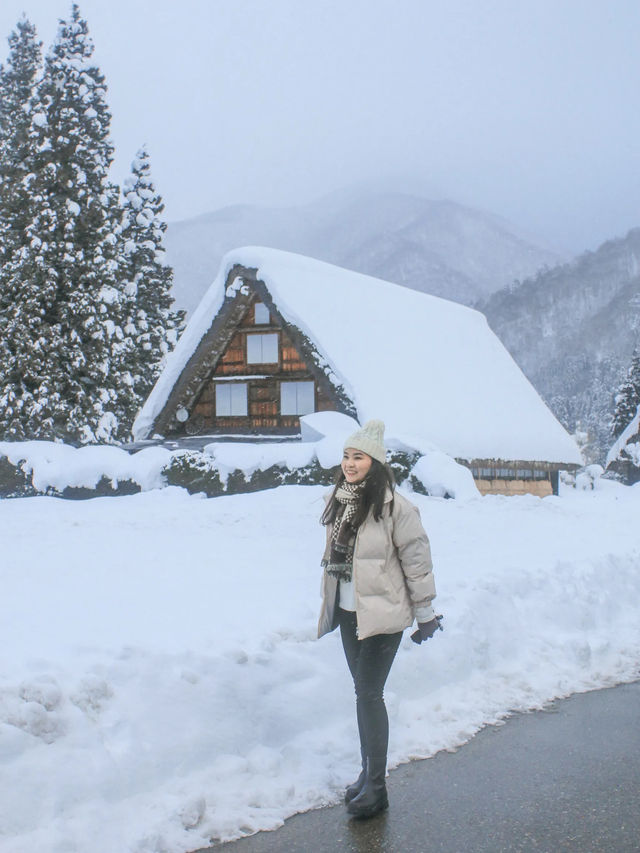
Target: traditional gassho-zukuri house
[[279, 335]]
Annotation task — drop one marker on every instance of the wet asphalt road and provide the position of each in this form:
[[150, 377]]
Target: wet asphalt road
[[563, 780]]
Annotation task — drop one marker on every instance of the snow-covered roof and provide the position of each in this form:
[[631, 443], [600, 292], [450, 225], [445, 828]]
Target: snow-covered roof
[[632, 429], [430, 368]]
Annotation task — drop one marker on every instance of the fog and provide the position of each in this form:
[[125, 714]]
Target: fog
[[529, 109]]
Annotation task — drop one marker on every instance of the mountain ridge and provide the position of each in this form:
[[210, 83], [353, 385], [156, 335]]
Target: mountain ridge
[[438, 247]]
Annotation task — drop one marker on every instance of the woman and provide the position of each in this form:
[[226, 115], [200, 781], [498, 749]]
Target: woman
[[377, 579]]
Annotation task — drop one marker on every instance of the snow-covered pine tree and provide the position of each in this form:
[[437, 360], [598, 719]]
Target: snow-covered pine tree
[[152, 324], [65, 377], [17, 81], [627, 397]]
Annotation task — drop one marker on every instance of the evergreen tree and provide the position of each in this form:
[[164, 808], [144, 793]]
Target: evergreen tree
[[17, 81], [627, 398], [65, 376], [152, 325]]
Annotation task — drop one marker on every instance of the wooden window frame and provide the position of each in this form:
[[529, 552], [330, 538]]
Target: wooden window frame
[[263, 335], [220, 386], [289, 383], [257, 322]]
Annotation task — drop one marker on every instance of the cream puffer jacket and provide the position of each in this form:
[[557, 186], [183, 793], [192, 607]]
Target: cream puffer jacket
[[392, 572]]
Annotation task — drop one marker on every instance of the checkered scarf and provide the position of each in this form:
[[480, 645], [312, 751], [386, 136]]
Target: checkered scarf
[[343, 534]]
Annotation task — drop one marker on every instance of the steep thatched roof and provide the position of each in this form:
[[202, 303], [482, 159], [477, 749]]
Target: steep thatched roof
[[430, 368]]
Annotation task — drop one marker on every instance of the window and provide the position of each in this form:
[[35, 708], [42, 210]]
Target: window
[[297, 398], [261, 314], [231, 399], [262, 349]]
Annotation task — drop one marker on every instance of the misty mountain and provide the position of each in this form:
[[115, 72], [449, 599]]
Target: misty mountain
[[438, 247], [572, 330]]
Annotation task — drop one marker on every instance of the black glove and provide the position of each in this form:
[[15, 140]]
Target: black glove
[[427, 629]]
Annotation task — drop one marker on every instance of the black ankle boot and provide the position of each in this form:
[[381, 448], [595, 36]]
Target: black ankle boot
[[373, 796], [353, 790]]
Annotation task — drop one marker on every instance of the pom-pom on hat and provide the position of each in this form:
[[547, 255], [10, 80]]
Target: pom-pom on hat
[[369, 439]]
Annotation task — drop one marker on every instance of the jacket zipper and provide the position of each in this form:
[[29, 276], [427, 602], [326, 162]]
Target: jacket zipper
[[353, 578]]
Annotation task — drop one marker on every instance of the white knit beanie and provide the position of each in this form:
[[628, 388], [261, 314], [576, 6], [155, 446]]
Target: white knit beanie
[[369, 439]]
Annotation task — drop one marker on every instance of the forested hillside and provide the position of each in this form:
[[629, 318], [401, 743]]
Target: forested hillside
[[572, 329]]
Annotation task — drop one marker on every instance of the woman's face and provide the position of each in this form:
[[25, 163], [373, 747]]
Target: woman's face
[[355, 465]]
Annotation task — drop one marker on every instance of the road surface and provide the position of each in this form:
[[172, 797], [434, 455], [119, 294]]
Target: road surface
[[562, 780]]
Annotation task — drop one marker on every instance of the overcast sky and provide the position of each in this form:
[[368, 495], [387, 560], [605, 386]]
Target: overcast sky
[[527, 108]]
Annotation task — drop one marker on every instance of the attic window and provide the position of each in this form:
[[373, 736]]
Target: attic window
[[262, 349], [261, 313], [297, 398], [231, 399]]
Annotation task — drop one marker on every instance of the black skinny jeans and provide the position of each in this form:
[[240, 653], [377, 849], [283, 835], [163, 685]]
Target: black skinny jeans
[[369, 662]]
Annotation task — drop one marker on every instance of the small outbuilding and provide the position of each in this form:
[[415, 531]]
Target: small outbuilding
[[278, 336], [624, 457]]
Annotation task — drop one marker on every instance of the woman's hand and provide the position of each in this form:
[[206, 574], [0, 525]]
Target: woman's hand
[[426, 630]]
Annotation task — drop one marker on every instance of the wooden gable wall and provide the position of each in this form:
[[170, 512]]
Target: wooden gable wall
[[261, 382]]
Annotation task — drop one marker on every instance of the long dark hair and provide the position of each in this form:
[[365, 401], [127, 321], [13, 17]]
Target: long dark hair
[[378, 480]]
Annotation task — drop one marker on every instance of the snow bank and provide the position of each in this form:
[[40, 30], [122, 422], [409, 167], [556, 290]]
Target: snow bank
[[58, 466], [589, 477], [424, 365], [329, 431], [442, 477], [246, 457], [161, 684]]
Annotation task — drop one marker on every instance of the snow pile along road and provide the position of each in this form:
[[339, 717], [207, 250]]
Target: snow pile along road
[[161, 682]]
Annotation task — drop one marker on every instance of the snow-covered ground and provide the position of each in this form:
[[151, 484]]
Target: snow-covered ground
[[161, 683]]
